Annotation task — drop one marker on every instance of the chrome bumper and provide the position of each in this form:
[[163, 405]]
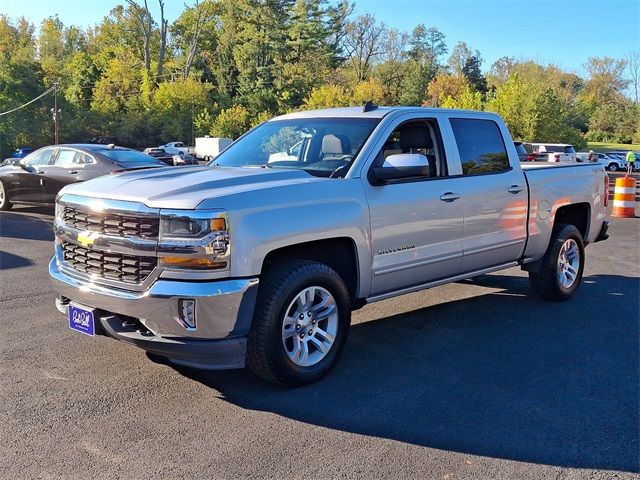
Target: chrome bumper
[[224, 310]]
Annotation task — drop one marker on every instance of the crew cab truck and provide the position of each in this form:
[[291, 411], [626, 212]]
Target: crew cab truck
[[256, 261]]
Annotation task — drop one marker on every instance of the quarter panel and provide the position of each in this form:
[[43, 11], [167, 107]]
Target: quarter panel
[[552, 187]]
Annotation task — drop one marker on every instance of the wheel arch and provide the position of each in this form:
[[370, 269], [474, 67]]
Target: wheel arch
[[339, 253], [576, 214]]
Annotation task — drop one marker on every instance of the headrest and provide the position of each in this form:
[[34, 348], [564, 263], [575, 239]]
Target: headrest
[[331, 145], [415, 137]]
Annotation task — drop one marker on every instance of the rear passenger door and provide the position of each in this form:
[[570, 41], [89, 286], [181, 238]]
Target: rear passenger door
[[494, 196]]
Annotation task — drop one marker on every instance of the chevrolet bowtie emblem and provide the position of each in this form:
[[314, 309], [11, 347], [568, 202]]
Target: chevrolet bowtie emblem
[[86, 238]]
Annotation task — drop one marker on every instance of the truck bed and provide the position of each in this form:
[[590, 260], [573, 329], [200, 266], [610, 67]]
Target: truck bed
[[552, 186]]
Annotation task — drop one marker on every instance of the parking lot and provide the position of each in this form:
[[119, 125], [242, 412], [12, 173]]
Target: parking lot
[[477, 379]]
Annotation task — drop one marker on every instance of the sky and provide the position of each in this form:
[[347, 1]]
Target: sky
[[563, 32]]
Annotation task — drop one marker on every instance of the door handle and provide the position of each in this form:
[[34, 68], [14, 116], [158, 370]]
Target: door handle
[[73, 172], [449, 197], [515, 189]]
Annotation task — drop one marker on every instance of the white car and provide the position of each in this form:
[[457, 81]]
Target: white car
[[174, 148], [556, 152]]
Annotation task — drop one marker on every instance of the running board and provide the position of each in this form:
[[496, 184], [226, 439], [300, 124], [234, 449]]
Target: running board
[[436, 283]]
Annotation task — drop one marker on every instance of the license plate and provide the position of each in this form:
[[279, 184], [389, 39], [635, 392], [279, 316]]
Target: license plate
[[81, 320]]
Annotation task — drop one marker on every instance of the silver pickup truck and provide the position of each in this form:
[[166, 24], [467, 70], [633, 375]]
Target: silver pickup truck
[[259, 258]]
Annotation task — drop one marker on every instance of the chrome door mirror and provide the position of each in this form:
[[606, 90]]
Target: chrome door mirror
[[401, 165]]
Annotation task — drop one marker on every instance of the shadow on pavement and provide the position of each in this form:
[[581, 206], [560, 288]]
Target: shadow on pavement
[[502, 375], [9, 260], [19, 223]]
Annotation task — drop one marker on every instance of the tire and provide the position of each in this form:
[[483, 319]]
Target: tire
[[280, 327], [613, 167], [5, 204], [561, 271]]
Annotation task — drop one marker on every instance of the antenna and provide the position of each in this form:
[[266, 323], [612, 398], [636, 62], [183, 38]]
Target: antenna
[[369, 106]]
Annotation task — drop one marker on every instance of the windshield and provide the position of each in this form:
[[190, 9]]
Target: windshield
[[130, 158], [320, 146]]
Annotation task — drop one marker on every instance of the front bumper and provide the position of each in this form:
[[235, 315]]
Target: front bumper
[[151, 319]]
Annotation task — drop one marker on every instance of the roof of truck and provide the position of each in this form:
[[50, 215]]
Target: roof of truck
[[358, 112]]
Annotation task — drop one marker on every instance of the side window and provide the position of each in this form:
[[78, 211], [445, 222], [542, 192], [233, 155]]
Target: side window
[[480, 145], [39, 157], [416, 137], [67, 158], [83, 159]]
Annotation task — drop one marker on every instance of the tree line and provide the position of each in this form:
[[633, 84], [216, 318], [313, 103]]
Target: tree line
[[224, 66]]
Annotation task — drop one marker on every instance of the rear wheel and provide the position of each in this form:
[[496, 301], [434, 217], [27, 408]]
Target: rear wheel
[[5, 204], [300, 325], [562, 265]]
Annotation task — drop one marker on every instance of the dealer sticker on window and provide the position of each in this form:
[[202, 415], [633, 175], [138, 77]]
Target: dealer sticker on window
[[81, 320]]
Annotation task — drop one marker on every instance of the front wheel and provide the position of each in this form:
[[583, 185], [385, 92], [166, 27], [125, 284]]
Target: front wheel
[[5, 204], [613, 167], [562, 265], [300, 324]]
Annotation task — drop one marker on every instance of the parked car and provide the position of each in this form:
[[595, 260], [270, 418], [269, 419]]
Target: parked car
[[174, 148], [159, 153], [619, 160], [22, 152], [184, 159], [555, 152], [259, 263], [38, 177], [611, 163]]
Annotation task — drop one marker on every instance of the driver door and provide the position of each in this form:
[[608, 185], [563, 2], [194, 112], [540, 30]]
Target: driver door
[[28, 181], [416, 224]]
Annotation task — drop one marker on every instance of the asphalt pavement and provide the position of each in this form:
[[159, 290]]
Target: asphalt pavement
[[478, 379]]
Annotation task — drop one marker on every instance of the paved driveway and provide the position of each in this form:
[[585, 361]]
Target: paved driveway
[[472, 380]]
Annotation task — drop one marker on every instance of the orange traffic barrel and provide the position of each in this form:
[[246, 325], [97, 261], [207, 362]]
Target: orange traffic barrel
[[624, 198]]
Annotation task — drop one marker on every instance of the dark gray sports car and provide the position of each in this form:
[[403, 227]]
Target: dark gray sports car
[[38, 177]]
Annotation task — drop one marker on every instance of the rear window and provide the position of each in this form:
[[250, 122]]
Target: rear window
[[520, 148], [130, 158], [554, 148], [480, 145]]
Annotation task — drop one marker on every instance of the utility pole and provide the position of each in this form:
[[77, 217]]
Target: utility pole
[[55, 111]]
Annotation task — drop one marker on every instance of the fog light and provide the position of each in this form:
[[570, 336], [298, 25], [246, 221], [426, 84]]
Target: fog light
[[187, 313]]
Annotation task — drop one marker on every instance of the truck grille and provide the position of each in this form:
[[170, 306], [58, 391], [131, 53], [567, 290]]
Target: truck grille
[[113, 224], [113, 266]]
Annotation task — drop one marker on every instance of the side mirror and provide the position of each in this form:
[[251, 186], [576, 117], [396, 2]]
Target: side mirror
[[401, 165]]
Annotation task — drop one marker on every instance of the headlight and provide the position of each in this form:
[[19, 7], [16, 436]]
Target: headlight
[[194, 240], [185, 227]]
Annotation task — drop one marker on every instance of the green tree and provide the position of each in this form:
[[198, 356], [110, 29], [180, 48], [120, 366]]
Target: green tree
[[231, 122], [427, 45], [175, 105], [328, 96], [468, 99], [471, 71]]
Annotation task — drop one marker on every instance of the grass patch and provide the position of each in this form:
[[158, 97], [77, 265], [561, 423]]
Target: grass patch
[[603, 147]]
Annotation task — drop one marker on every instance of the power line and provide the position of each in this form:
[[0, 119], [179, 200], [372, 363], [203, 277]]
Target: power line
[[28, 103], [522, 27], [562, 35]]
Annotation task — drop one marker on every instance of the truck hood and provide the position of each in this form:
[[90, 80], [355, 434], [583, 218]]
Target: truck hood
[[185, 187]]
